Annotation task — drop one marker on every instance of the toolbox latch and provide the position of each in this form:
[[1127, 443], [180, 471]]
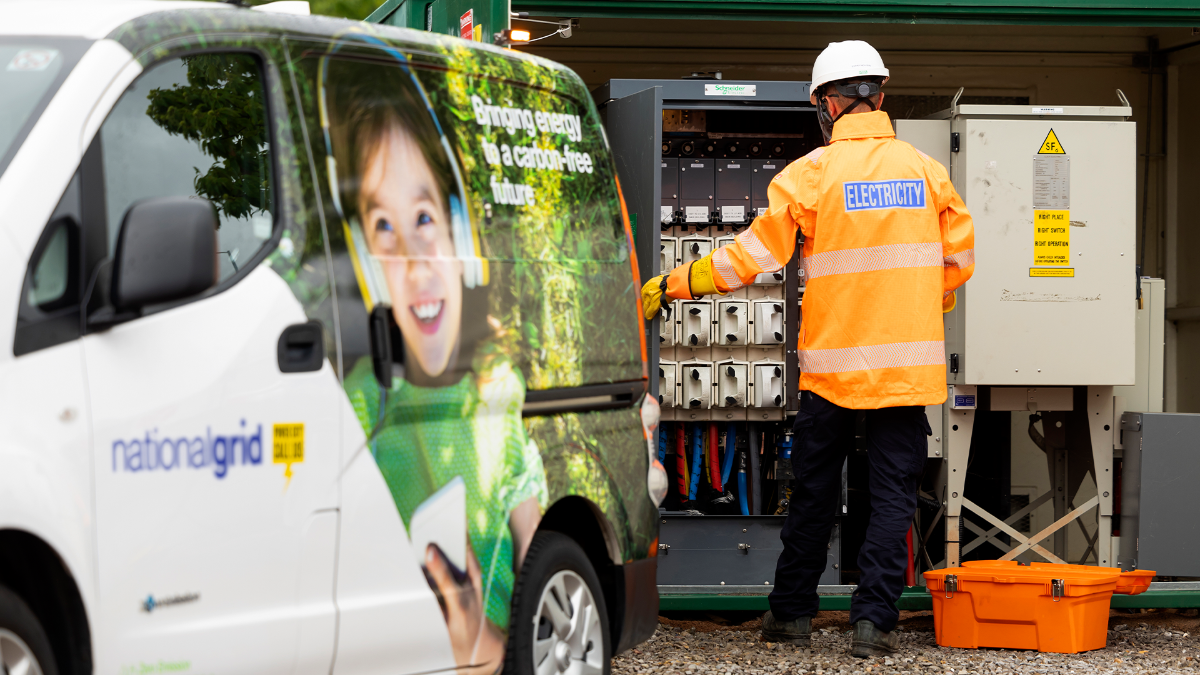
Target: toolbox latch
[[1057, 589], [665, 548], [951, 585], [744, 548]]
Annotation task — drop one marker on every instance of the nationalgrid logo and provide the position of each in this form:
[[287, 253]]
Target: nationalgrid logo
[[220, 453]]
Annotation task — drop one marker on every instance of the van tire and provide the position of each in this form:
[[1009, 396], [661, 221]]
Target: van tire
[[554, 564], [22, 637]]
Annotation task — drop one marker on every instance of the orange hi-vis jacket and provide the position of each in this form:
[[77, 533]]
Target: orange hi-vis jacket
[[886, 240]]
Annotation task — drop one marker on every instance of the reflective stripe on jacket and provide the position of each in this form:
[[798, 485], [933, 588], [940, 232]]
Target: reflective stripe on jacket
[[886, 239]]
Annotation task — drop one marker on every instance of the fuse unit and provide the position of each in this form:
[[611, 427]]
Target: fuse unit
[[667, 380], [696, 378], [732, 383], [732, 322], [770, 278], [695, 323], [692, 249], [668, 254], [767, 385], [668, 326], [768, 322]]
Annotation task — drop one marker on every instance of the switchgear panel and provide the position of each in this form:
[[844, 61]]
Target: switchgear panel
[[762, 172], [669, 194], [733, 190], [716, 168], [696, 188]]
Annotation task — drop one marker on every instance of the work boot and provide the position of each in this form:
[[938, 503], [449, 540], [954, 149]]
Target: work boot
[[796, 631], [869, 640]]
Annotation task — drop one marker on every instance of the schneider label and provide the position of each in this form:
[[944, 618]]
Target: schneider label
[[730, 90]]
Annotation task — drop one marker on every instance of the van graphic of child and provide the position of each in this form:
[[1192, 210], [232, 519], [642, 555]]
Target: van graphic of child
[[456, 412]]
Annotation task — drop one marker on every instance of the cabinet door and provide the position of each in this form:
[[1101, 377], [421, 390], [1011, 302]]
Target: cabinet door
[[215, 466]]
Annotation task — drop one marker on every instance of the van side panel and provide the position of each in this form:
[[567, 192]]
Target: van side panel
[[471, 209], [542, 188]]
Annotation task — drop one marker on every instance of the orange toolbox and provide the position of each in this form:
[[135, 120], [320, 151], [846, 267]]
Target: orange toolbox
[[1042, 606]]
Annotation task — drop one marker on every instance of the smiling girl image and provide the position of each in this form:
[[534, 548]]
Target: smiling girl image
[[453, 412]]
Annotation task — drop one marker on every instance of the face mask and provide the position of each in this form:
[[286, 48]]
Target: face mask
[[860, 92]]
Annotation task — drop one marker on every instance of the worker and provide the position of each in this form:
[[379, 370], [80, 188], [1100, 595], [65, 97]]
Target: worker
[[886, 241]]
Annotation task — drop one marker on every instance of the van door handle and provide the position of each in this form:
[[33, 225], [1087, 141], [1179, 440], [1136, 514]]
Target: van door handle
[[301, 348]]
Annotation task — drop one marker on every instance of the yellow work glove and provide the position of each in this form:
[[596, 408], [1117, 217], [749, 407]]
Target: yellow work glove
[[949, 302], [686, 282], [654, 296]]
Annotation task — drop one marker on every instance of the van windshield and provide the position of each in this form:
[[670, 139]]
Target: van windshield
[[31, 70]]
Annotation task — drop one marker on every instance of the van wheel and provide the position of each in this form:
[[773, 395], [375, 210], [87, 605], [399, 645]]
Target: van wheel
[[24, 647], [559, 621]]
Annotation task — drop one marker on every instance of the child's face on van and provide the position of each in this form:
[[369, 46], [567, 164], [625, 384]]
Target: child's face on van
[[407, 226]]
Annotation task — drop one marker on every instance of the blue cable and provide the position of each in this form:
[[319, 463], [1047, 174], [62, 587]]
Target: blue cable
[[727, 465], [743, 498], [662, 444], [697, 446]]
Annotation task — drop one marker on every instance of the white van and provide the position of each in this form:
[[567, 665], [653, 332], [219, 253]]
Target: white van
[[322, 353]]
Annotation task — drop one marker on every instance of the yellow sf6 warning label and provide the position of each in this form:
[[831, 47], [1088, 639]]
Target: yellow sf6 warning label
[[1051, 237], [1051, 271], [1051, 146], [288, 446]]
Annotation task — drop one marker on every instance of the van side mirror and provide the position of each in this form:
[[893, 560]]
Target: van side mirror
[[166, 250]]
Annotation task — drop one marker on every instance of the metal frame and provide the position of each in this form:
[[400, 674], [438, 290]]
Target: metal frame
[[958, 425]]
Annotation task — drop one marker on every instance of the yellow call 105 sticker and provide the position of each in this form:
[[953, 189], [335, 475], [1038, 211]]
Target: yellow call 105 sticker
[[1051, 237], [1051, 271], [288, 447]]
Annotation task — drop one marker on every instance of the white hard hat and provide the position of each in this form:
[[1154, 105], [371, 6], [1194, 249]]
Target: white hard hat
[[841, 60]]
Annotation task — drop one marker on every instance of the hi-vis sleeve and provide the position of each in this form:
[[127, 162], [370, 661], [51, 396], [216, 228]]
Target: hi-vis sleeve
[[958, 231], [770, 240]]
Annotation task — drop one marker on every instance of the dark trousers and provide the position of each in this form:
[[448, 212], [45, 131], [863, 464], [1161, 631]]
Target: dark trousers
[[897, 444]]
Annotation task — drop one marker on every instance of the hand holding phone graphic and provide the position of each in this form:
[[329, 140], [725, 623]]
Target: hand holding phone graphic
[[441, 521], [438, 531]]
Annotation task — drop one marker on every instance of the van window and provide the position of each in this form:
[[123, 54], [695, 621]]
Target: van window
[[48, 284], [31, 70], [195, 126], [48, 311]]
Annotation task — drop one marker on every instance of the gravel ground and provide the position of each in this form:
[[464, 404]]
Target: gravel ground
[[1158, 642]]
